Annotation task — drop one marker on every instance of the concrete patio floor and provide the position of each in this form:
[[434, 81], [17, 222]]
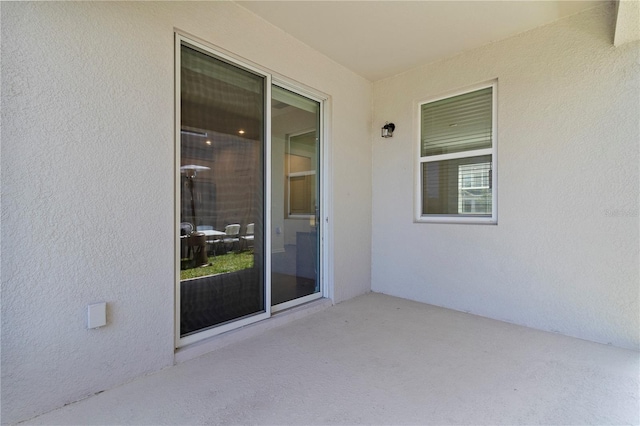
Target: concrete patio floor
[[377, 359]]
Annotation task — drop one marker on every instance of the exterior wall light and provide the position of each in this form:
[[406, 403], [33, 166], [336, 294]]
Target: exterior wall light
[[387, 130]]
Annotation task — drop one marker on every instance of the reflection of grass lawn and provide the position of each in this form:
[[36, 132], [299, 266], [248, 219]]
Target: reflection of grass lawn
[[225, 263]]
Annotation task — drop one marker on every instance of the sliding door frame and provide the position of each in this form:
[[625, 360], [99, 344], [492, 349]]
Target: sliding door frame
[[321, 215], [325, 273], [233, 324]]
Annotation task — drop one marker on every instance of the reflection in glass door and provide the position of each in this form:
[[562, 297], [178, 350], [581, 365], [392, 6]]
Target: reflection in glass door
[[295, 195], [221, 193]]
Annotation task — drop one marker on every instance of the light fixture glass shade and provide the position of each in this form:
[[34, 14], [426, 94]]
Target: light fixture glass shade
[[387, 130]]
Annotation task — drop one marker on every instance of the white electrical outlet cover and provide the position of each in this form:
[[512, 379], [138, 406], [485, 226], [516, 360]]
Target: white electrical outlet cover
[[97, 315]]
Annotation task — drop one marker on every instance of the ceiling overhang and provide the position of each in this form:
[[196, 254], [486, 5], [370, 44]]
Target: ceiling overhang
[[379, 39], [627, 22]]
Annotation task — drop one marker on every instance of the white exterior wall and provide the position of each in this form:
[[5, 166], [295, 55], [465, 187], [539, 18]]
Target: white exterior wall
[[88, 185], [564, 256]]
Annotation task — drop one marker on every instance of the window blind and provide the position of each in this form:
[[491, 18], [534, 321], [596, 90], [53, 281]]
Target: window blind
[[456, 124]]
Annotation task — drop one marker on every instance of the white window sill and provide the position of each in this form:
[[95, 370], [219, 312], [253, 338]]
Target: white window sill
[[465, 220]]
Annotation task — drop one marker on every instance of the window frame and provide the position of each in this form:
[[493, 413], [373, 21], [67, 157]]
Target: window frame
[[288, 177], [420, 160]]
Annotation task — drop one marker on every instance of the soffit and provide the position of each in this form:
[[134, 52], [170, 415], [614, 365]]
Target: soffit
[[379, 39], [627, 22]]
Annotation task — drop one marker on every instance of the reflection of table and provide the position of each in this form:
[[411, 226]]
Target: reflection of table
[[196, 244], [212, 235], [209, 233]]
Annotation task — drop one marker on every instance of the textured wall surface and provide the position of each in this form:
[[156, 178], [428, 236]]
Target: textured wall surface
[[87, 184], [564, 255]]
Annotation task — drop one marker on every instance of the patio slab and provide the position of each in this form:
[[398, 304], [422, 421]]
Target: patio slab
[[378, 359]]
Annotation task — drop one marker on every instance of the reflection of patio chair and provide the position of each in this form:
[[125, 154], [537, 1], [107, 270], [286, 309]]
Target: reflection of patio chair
[[248, 236], [185, 228], [231, 236]]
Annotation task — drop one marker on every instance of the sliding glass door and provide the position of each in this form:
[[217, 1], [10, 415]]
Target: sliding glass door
[[295, 188], [222, 193], [248, 192]]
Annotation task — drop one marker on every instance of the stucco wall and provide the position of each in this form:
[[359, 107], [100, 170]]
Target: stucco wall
[[87, 184], [564, 255]]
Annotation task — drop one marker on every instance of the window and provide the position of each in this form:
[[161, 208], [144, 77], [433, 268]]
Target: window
[[457, 159], [474, 192], [301, 174]]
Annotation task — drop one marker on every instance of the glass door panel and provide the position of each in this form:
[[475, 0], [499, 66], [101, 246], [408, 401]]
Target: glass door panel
[[222, 191], [295, 191]]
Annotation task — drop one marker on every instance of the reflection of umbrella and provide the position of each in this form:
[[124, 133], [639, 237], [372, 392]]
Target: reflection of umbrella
[[190, 172]]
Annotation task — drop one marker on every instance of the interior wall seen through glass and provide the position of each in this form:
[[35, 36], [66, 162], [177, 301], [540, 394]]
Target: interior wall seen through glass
[[295, 152]]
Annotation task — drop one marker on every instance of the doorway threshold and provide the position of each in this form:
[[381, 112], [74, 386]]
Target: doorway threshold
[[277, 319]]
